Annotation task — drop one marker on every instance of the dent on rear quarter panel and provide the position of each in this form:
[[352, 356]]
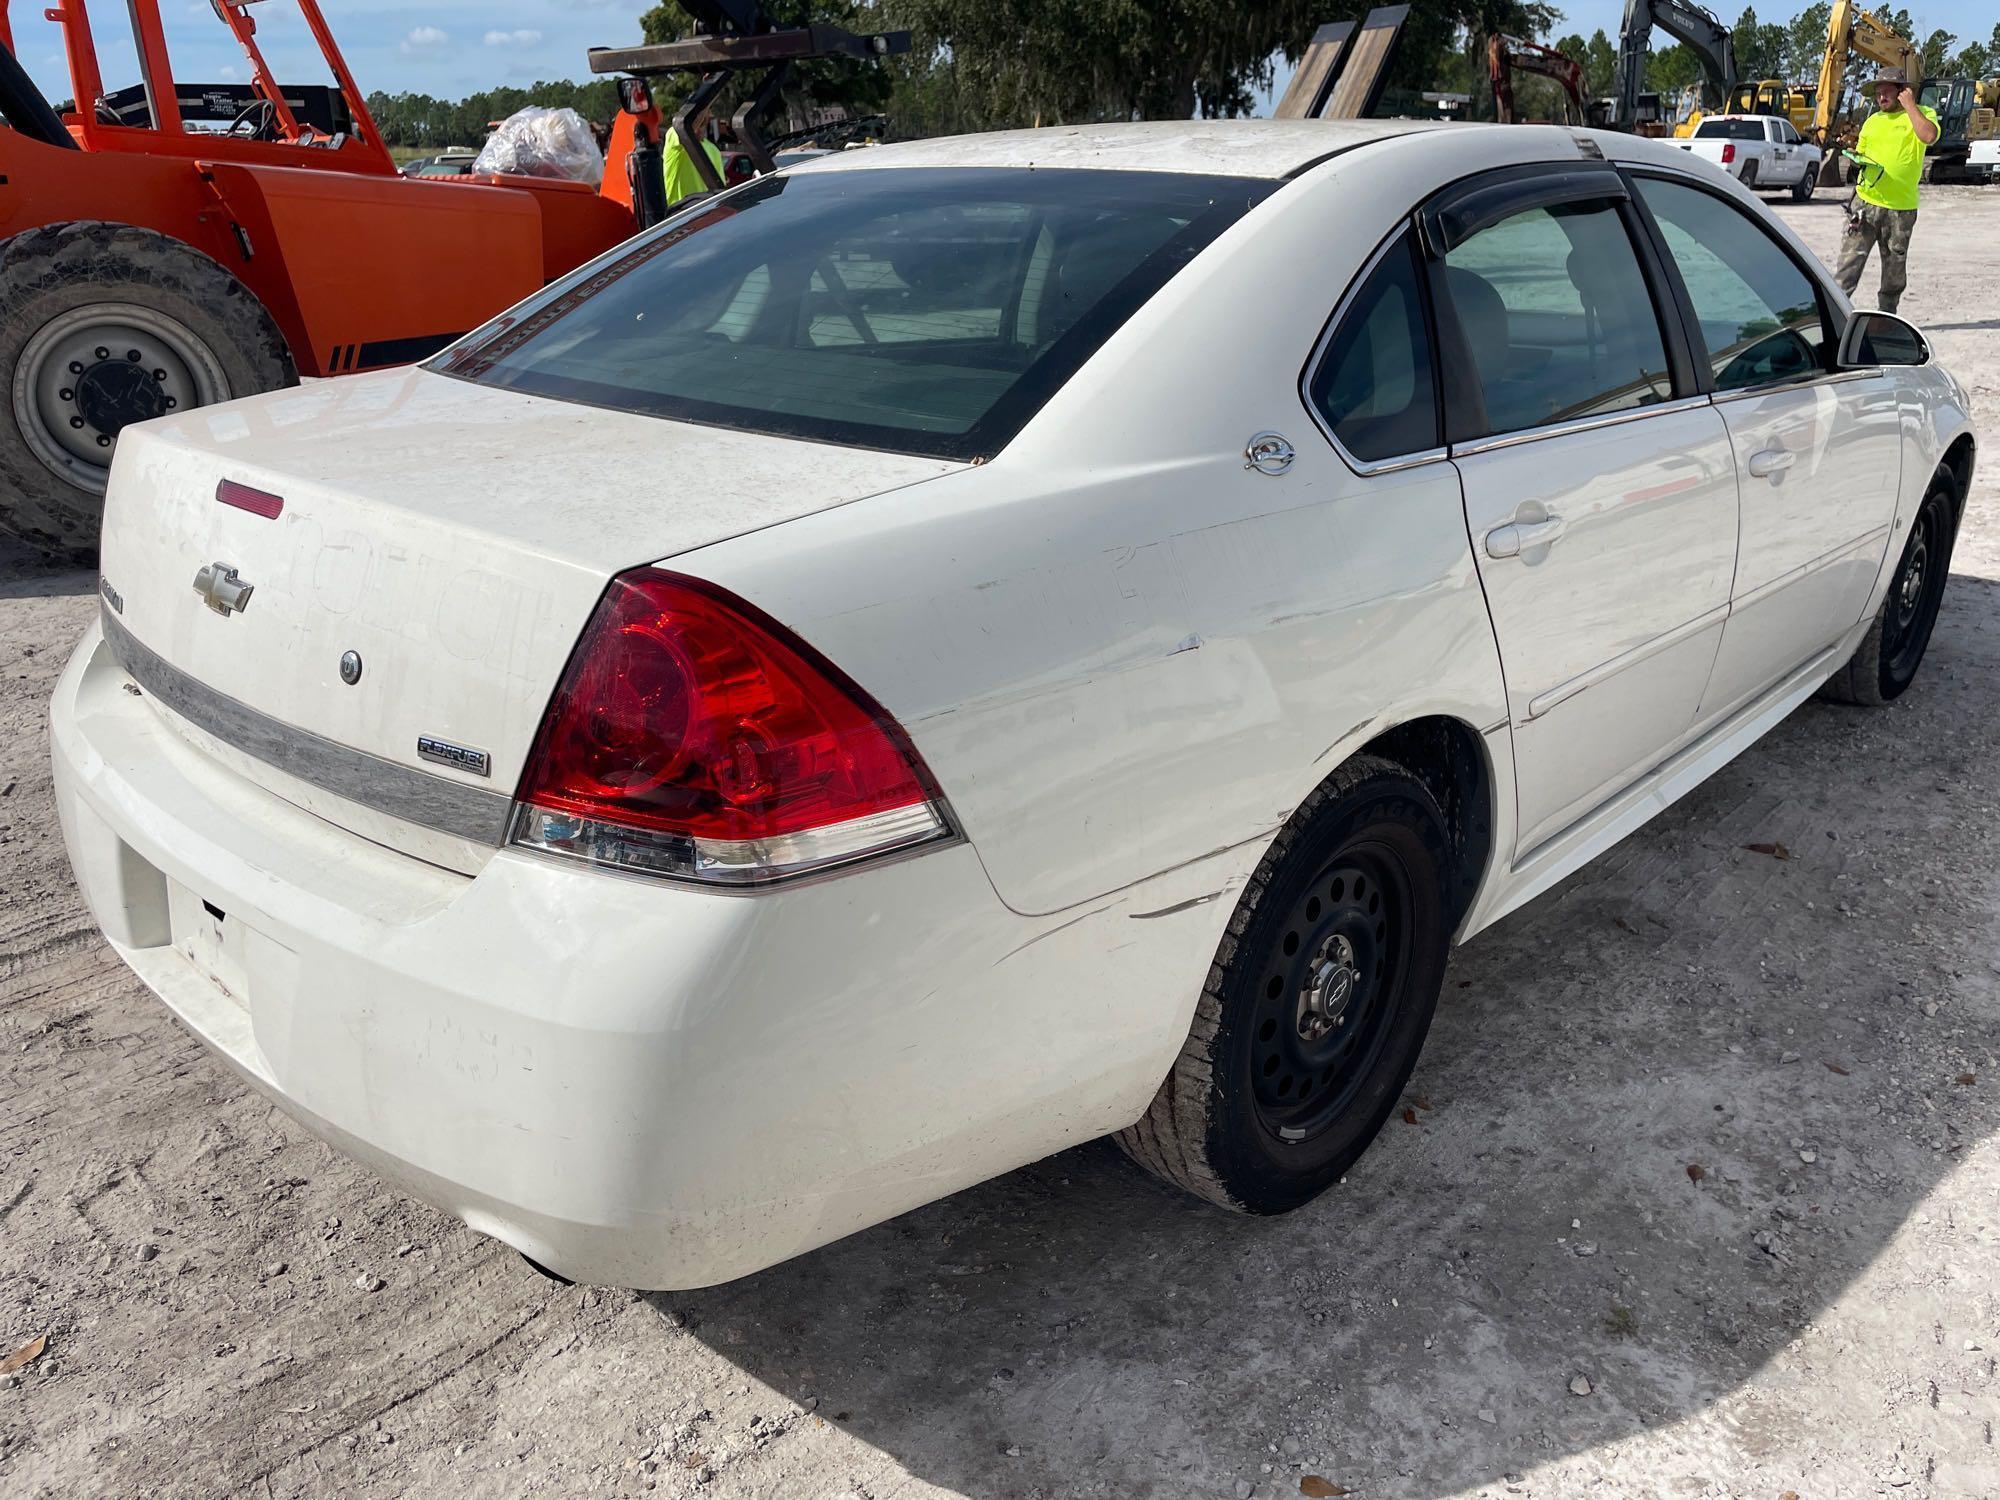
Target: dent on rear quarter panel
[[1118, 648]]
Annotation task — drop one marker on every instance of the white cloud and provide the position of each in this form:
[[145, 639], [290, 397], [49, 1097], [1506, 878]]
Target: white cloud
[[423, 38], [522, 38]]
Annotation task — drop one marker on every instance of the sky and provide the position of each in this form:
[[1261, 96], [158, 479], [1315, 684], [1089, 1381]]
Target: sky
[[455, 47]]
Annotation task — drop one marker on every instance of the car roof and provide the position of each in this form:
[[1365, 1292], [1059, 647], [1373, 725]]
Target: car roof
[[1244, 148], [1706, 118]]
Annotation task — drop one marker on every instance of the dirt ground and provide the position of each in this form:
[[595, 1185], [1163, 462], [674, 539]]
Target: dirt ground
[[232, 1309]]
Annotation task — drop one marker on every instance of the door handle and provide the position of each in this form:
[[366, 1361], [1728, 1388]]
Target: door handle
[[1517, 537], [1771, 461]]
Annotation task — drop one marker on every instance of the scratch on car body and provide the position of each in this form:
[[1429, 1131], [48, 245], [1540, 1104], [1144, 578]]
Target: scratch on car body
[[1168, 911], [1049, 934], [1344, 736]]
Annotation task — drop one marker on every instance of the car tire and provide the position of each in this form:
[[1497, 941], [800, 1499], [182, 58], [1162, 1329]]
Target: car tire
[[1802, 190], [69, 293], [1317, 1003], [1749, 178], [1886, 661]]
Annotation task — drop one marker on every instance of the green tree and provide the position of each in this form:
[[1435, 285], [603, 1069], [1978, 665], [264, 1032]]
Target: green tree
[[1936, 49], [1805, 41], [1672, 69]]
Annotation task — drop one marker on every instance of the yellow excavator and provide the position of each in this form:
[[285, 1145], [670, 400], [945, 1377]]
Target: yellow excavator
[[1852, 32], [1763, 96]]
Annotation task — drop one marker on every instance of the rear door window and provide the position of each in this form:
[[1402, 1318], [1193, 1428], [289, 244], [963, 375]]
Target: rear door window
[[1758, 314], [923, 310], [1374, 385], [1557, 317]]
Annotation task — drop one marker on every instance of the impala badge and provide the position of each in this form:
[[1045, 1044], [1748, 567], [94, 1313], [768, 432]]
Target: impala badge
[[221, 590], [478, 762]]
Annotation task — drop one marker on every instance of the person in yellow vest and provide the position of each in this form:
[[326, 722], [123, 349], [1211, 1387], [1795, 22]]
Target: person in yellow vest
[[683, 177], [1884, 212]]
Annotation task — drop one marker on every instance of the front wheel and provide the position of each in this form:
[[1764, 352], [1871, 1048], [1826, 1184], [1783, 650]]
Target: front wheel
[[1886, 661], [1318, 1001], [1802, 190], [103, 325]]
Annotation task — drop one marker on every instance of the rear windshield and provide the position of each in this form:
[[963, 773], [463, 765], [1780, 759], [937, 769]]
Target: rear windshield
[[1730, 130], [919, 310]]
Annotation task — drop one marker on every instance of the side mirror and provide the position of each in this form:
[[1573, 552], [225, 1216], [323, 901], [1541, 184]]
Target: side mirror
[[1874, 339], [635, 96]]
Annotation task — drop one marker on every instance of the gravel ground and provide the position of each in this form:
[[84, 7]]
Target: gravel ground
[[1698, 1198]]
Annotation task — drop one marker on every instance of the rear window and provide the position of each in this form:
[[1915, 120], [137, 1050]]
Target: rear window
[[1729, 130], [920, 310]]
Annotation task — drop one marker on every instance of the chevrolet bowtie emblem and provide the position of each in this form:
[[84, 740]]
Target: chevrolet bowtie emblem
[[221, 590]]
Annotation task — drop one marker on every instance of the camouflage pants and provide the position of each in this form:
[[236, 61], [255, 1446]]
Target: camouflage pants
[[1869, 224]]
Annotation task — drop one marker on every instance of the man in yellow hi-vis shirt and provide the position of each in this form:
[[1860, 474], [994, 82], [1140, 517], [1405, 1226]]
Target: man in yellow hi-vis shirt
[[1885, 200], [683, 177]]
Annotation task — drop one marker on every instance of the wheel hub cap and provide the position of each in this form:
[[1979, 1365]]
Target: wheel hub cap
[[1913, 581], [1329, 987], [113, 394]]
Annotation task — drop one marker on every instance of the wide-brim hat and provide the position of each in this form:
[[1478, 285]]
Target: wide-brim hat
[[1894, 77]]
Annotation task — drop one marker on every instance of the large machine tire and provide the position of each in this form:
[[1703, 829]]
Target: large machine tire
[[102, 325]]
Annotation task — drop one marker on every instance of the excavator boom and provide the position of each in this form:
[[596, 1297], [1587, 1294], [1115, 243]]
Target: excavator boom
[[1688, 24]]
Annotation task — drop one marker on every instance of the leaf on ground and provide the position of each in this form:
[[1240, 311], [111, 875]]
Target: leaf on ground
[[1409, 1117], [1789, 1495], [24, 1356], [1423, 1101], [1320, 1489], [1836, 1068], [1696, 1171], [1776, 851], [1967, 1080]]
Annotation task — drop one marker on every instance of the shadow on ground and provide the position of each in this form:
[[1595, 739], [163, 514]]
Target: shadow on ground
[[27, 574], [1683, 1008]]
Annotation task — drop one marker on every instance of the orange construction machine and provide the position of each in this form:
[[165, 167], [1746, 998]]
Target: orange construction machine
[[169, 244]]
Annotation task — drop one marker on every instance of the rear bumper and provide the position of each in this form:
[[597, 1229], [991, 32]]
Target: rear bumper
[[634, 1083]]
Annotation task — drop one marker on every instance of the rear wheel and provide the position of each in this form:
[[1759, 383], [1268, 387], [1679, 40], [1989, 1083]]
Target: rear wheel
[[103, 325], [1886, 661], [1750, 175], [1317, 1004]]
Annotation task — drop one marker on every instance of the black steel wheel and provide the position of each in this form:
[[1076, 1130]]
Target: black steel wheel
[[1885, 663], [1318, 1002], [1336, 979], [1911, 609]]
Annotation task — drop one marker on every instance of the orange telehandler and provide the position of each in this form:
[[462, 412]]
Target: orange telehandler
[[170, 245]]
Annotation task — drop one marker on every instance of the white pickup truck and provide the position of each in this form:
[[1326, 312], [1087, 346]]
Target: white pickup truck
[[1764, 152], [1984, 159]]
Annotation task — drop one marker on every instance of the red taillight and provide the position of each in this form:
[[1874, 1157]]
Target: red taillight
[[1728, 152], [692, 735]]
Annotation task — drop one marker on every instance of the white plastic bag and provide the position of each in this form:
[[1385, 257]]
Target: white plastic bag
[[537, 142]]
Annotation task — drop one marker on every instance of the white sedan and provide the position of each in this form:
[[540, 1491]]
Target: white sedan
[[971, 646]]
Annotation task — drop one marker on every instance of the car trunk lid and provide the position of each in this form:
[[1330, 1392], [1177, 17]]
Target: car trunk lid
[[445, 542]]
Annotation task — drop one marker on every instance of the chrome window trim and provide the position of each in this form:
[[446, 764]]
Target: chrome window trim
[[1577, 424], [475, 814], [1360, 467], [1803, 383]]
